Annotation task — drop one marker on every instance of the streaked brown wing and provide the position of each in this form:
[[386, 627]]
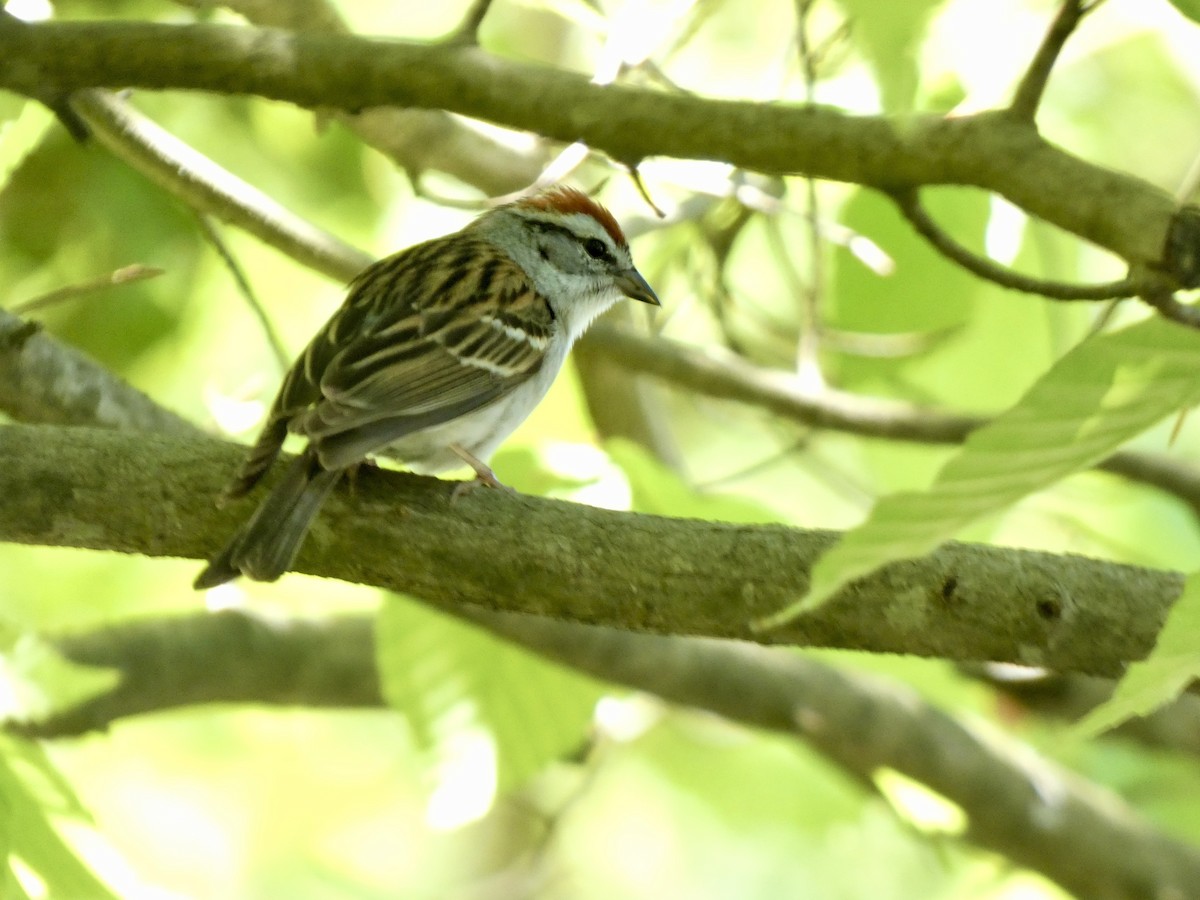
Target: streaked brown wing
[[403, 353], [414, 349]]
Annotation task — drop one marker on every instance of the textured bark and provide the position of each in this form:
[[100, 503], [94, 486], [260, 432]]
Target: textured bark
[[1016, 803], [153, 494], [996, 151]]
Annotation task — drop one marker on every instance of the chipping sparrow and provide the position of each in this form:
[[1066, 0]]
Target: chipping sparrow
[[437, 354]]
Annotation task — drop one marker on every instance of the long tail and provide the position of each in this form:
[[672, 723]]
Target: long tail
[[266, 546]]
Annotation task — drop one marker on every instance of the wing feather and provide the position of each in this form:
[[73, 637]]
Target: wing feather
[[410, 345], [410, 348]]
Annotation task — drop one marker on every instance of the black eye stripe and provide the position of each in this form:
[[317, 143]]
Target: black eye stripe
[[593, 247]]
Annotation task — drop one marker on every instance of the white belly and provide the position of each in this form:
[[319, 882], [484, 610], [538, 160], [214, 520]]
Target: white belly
[[479, 432]]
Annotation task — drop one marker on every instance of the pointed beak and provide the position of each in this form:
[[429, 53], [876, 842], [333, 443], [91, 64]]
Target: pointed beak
[[631, 283]]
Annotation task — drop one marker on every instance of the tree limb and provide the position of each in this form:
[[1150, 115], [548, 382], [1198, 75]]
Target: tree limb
[[1016, 804], [995, 151], [153, 494], [44, 380], [716, 373]]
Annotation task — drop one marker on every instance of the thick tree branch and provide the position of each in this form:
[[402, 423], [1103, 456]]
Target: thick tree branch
[[1016, 804], [995, 151], [416, 140], [43, 380], [152, 494]]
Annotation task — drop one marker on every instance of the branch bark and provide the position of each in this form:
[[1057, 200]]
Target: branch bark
[[152, 494], [996, 151], [1016, 804], [717, 373], [44, 380]]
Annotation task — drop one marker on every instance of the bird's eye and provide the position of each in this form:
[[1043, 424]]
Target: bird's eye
[[594, 247]]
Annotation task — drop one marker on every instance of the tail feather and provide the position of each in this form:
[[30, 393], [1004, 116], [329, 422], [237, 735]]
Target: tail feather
[[260, 458], [266, 546]]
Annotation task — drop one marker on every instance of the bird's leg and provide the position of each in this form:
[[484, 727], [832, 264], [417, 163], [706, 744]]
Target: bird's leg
[[352, 473], [483, 474]]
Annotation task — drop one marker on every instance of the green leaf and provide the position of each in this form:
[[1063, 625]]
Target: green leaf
[[890, 36], [659, 490], [42, 680], [1102, 393], [20, 135], [1190, 8], [452, 679], [901, 300], [1163, 675], [30, 788]]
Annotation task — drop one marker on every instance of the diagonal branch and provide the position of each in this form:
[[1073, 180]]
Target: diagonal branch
[[716, 373], [210, 189], [1029, 92], [909, 204]]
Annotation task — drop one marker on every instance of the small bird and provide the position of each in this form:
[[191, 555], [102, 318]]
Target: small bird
[[436, 355]]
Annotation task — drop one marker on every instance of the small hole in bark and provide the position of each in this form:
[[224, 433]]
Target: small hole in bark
[[949, 586], [1049, 609]]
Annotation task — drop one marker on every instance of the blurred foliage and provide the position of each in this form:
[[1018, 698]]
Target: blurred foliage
[[501, 773], [1100, 395]]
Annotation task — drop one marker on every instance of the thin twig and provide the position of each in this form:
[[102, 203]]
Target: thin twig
[[117, 278], [467, 31], [636, 175], [808, 361], [910, 207], [205, 186], [1029, 92], [727, 376], [243, 283], [1170, 308]]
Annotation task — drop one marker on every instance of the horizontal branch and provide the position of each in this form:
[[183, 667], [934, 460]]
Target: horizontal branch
[[153, 494], [717, 373], [1016, 804], [996, 151]]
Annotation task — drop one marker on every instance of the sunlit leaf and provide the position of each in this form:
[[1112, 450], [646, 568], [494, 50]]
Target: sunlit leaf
[[20, 134], [1101, 394], [658, 490], [1190, 8], [1163, 675], [890, 35], [27, 793], [447, 676]]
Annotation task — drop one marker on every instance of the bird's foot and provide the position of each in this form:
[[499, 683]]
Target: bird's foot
[[484, 476]]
